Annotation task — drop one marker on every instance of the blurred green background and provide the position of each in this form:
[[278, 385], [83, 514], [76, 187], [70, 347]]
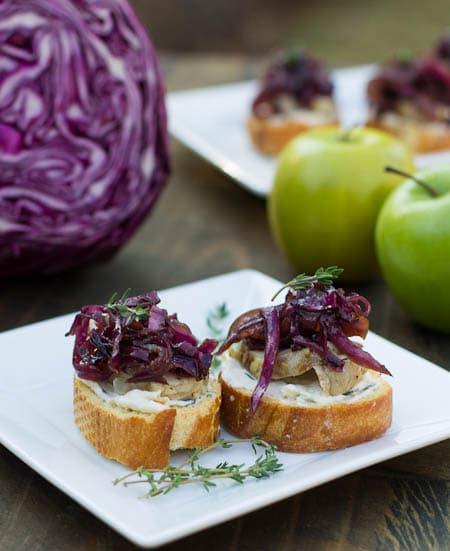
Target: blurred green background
[[342, 32]]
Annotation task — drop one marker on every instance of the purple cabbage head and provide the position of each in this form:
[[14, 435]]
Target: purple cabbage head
[[83, 135]]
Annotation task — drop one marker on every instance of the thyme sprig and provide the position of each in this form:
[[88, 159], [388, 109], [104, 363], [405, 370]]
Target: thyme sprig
[[130, 313], [214, 321], [190, 471], [325, 276]]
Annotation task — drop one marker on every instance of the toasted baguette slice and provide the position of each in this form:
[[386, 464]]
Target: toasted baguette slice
[[145, 439], [420, 137], [271, 134], [308, 428]]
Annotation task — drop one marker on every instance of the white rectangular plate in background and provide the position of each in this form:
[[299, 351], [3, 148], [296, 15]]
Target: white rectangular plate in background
[[36, 423], [211, 122]]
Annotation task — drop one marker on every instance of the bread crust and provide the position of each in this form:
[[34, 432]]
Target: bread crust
[[420, 137], [301, 429], [270, 136], [144, 439]]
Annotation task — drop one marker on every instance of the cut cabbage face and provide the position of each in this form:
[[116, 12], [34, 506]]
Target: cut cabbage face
[[83, 133]]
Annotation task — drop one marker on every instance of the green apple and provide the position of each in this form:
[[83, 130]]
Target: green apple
[[413, 247], [329, 186]]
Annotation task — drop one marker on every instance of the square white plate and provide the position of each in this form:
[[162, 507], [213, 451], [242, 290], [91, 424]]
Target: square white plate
[[211, 122], [36, 423]]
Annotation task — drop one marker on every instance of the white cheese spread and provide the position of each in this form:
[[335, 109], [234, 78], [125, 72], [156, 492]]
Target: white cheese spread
[[307, 117], [321, 112], [142, 401], [309, 393]]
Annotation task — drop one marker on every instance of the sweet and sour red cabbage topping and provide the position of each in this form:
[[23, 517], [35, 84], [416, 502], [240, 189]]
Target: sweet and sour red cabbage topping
[[135, 337], [419, 83], [442, 48], [310, 318], [295, 74]]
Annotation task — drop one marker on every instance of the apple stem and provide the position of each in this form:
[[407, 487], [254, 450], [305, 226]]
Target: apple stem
[[425, 186]]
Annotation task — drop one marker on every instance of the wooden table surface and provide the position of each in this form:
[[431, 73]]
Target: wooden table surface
[[204, 225]]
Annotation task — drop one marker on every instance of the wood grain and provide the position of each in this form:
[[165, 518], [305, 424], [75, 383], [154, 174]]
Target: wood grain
[[206, 225], [347, 32]]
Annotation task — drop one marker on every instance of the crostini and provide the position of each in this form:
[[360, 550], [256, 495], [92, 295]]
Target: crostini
[[411, 98], [141, 383], [295, 95], [291, 373]]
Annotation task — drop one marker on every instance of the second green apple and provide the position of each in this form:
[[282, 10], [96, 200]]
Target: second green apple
[[329, 187]]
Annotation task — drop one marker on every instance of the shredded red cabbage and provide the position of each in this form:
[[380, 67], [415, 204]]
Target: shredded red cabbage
[[83, 134], [136, 337], [272, 322], [309, 318]]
